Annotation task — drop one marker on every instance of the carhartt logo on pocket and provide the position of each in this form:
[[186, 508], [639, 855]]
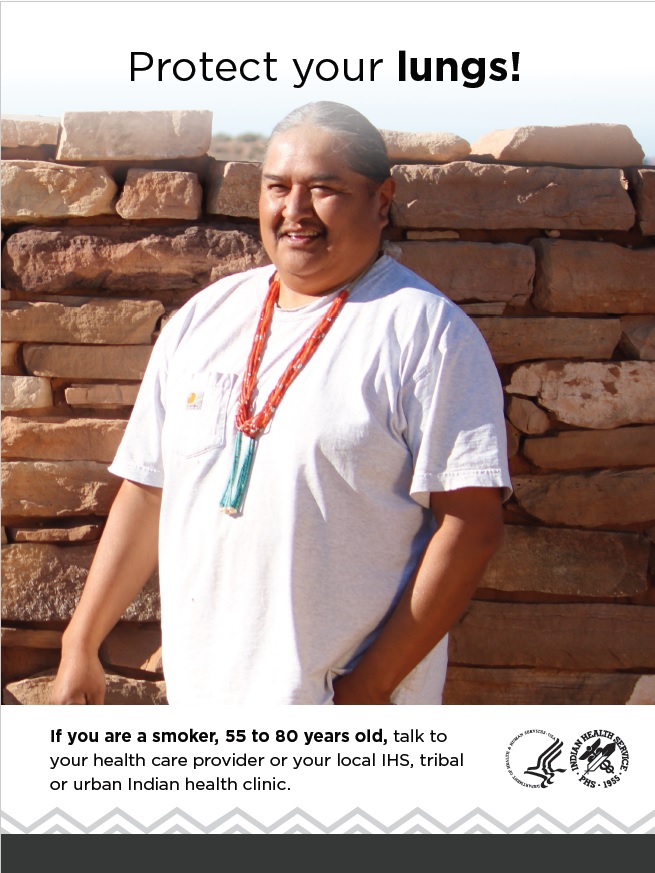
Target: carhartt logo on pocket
[[194, 400]]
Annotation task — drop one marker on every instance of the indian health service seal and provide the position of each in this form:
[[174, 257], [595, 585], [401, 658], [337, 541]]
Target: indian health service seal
[[599, 759], [532, 757]]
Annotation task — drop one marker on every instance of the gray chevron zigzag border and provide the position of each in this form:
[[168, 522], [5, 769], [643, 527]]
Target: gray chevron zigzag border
[[357, 821]]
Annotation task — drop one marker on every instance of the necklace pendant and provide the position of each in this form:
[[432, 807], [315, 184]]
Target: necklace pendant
[[235, 490]]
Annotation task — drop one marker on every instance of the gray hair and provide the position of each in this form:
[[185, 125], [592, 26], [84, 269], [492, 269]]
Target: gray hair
[[362, 143]]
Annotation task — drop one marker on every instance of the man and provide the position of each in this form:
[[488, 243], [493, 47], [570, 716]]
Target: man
[[317, 447]]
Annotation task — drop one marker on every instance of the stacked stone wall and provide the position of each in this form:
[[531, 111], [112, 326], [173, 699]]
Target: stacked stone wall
[[545, 236]]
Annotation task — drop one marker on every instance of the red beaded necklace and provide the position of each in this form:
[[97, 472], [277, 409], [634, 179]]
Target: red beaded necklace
[[252, 426]]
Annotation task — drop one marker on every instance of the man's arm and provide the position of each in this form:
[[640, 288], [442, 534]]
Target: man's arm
[[125, 559], [470, 531]]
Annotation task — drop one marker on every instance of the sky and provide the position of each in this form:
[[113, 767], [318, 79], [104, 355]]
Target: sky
[[577, 62]]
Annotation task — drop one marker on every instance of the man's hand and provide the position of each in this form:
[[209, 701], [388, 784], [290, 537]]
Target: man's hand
[[80, 680], [124, 561]]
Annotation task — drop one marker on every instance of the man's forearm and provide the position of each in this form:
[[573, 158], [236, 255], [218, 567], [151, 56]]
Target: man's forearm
[[125, 559], [450, 570]]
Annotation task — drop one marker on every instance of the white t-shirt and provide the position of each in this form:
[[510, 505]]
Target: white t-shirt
[[400, 399]]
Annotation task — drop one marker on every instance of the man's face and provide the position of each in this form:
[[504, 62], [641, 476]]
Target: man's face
[[320, 221]]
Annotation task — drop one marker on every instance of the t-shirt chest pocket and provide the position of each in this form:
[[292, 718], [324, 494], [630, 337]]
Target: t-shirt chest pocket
[[196, 413]]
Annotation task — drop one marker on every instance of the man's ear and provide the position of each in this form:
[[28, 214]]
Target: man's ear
[[385, 198]]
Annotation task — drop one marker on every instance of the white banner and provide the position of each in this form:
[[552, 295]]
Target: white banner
[[325, 770]]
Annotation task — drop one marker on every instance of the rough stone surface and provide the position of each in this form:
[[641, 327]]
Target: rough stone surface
[[23, 393], [577, 449], [133, 647], [527, 416], [591, 394], [82, 439], [428, 148], [465, 194], [607, 498], [473, 271], [643, 694], [160, 194], [29, 130], [585, 145], [17, 663], [30, 639], [644, 185], [78, 533], [11, 365], [559, 561], [525, 339], [432, 234], [36, 190], [86, 362], [81, 320], [43, 583], [593, 277], [513, 439], [233, 189], [53, 489], [97, 136], [638, 338], [121, 691], [472, 686], [129, 260], [571, 636], [105, 396]]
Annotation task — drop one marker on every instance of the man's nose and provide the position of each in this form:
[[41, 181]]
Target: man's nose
[[298, 203]]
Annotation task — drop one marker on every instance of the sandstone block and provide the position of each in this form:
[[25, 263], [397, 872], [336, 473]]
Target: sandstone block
[[527, 416], [515, 687], [607, 498], [233, 189], [64, 533], [43, 583], [133, 647], [11, 365], [131, 260], [86, 362], [102, 396], [643, 182], [593, 277], [513, 439], [643, 693], [121, 691], [22, 393], [560, 561], [57, 439], [157, 135], [18, 663], [81, 320], [577, 449], [35, 190], [590, 394], [585, 145], [439, 147], [473, 271], [432, 234], [160, 194], [54, 489], [572, 636], [638, 337], [524, 339], [30, 639], [470, 195], [29, 130]]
